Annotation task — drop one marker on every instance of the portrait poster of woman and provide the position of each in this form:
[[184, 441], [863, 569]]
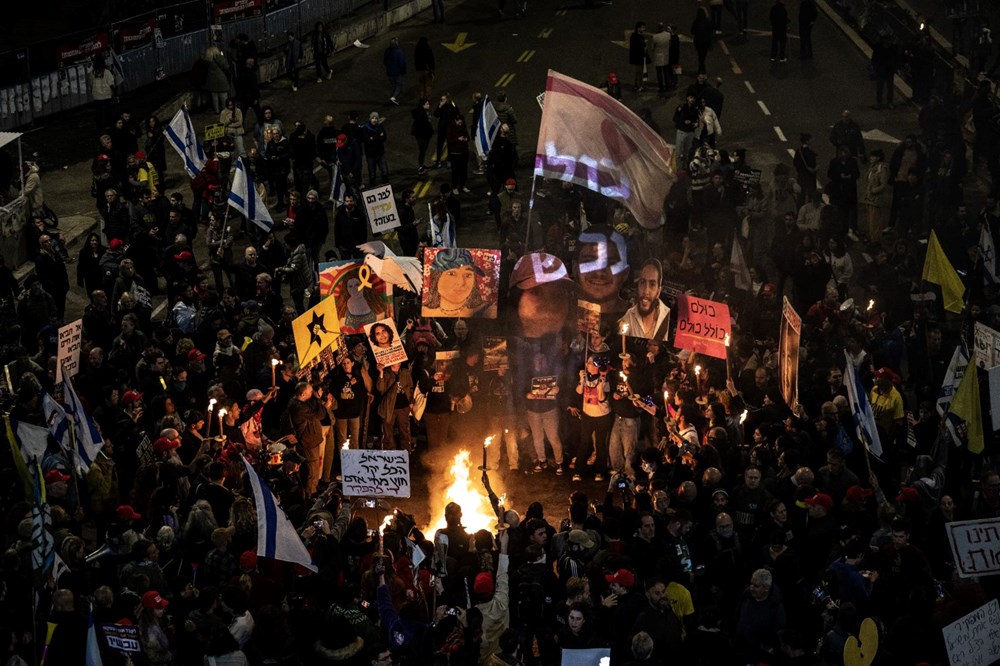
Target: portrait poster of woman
[[461, 283], [357, 303]]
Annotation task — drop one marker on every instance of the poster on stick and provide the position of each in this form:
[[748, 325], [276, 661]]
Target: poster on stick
[[385, 343], [702, 326], [381, 208], [975, 545], [372, 473], [788, 353], [68, 353]]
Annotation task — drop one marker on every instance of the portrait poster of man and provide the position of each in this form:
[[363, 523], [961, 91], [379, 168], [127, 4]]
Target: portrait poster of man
[[315, 330], [545, 387], [362, 297], [788, 353], [649, 317], [602, 269], [385, 343], [461, 282]]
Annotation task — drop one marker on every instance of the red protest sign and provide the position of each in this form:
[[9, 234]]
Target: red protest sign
[[702, 326]]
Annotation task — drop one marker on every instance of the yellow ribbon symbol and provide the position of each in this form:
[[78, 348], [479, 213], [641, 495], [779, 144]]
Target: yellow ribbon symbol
[[363, 274]]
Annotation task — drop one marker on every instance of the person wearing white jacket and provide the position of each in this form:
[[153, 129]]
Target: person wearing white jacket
[[708, 128]]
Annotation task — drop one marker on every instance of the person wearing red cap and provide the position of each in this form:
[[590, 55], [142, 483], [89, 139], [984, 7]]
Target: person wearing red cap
[[492, 599], [156, 643], [821, 530]]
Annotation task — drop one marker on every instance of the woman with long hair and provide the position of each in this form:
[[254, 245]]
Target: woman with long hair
[[153, 634], [88, 267]]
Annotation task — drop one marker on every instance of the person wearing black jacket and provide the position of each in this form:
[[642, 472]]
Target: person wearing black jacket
[[422, 130], [445, 113], [409, 238], [302, 146], [779, 31], [277, 153], [423, 62], [807, 17], [326, 144], [374, 138]]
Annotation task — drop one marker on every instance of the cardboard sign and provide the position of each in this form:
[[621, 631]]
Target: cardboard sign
[[987, 342], [702, 326], [380, 206], [214, 131], [586, 657], [973, 639], [68, 353], [975, 545], [385, 343], [375, 473]]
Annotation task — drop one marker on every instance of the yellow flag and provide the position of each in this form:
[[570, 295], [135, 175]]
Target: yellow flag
[[966, 406], [19, 464], [316, 329], [938, 269]]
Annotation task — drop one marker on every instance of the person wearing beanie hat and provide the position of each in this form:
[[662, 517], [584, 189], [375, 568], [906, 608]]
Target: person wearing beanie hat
[[373, 138]]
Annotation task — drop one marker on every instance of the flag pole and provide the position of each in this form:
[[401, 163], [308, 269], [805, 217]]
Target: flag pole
[[531, 207]]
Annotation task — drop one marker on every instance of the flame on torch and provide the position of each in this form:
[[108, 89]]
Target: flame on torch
[[347, 444], [743, 416], [697, 370], [727, 339], [871, 304]]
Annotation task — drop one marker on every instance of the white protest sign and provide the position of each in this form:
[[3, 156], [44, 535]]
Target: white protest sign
[[586, 657], [974, 640], [976, 546], [375, 473], [987, 342], [68, 353], [381, 208], [122, 638]]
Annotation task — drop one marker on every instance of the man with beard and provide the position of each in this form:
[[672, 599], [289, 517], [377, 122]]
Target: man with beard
[[246, 274], [602, 268], [649, 318]]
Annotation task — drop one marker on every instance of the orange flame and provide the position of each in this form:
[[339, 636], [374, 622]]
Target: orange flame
[[477, 512]]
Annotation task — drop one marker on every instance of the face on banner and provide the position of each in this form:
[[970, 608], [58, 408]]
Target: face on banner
[[649, 318], [544, 294], [385, 343], [461, 283], [361, 296], [602, 268]]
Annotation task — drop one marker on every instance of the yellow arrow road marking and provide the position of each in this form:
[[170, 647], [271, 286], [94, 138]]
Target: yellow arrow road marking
[[459, 44], [562, 12], [504, 80], [526, 56], [422, 189], [544, 34]]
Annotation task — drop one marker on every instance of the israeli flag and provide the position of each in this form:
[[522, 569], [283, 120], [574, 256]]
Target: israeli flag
[[337, 187], [486, 129], [181, 135], [73, 422], [92, 657], [276, 537], [988, 252], [244, 198], [952, 379], [861, 409]]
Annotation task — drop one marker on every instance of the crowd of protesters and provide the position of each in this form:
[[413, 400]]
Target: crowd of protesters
[[707, 520]]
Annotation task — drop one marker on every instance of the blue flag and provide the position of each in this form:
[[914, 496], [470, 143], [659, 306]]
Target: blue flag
[[181, 135], [244, 198], [486, 129], [337, 187], [276, 536], [861, 409], [71, 423]]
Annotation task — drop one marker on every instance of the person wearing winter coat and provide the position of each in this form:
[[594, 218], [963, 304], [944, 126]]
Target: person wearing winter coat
[[660, 57], [216, 78], [422, 130], [395, 68], [293, 56], [638, 55], [322, 45], [708, 129]]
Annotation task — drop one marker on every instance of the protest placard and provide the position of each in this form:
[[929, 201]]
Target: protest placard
[[544, 388], [316, 329], [122, 637], [214, 131], [702, 326], [975, 545], [385, 343], [987, 342], [68, 352], [375, 473], [380, 206], [788, 353], [586, 657], [494, 353], [588, 317], [974, 639]]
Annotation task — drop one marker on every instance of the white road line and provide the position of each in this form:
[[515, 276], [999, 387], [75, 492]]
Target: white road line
[[781, 135], [791, 152], [763, 107], [750, 87], [722, 45]]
